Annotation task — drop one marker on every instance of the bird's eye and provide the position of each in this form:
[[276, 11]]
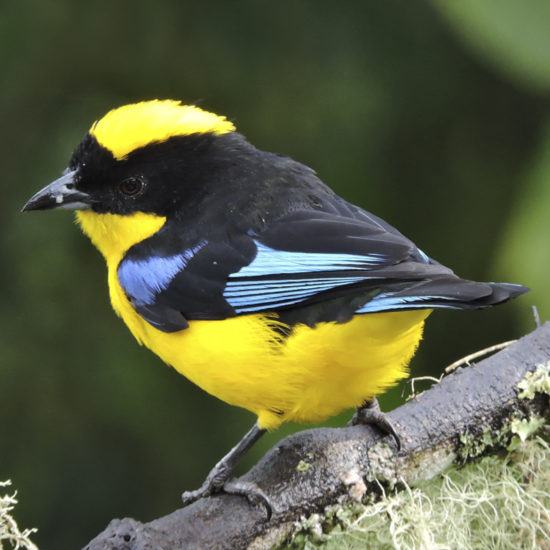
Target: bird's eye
[[131, 186]]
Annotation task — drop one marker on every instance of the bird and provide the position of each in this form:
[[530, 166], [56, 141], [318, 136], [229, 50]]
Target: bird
[[247, 274]]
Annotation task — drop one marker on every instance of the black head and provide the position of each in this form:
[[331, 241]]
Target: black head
[[148, 157]]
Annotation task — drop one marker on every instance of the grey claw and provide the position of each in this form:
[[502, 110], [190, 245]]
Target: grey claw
[[370, 413], [251, 491]]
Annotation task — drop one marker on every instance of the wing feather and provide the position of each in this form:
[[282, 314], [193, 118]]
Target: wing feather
[[340, 264]]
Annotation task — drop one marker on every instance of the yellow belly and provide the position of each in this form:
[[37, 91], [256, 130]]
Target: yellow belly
[[306, 377]]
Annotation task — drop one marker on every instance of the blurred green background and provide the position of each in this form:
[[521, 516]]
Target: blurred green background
[[434, 115]]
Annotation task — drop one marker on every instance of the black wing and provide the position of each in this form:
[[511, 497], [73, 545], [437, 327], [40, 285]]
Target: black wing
[[308, 266]]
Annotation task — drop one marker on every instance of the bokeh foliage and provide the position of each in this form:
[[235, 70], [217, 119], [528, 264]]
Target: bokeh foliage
[[431, 116]]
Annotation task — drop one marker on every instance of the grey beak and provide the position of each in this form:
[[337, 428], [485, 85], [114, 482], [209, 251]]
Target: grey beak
[[61, 193]]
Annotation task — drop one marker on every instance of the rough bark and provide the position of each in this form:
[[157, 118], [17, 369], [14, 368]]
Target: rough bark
[[472, 412]]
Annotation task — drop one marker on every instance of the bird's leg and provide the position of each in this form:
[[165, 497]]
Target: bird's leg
[[369, 413], [219, 479]]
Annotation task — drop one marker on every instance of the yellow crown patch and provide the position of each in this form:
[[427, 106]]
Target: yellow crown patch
[[132, 126]]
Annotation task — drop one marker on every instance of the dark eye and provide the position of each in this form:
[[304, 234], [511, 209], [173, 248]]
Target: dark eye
[[131, 186]]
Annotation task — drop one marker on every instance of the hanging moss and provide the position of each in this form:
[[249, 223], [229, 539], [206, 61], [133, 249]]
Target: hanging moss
[[495, 503], [10, 534]]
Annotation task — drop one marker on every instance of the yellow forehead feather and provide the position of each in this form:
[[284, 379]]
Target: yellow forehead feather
[[132, 126]]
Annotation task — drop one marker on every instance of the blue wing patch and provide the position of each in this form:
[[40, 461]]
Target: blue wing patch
[[259, 285], [256, 295], [390, 301], [262, 285], [269, 261], [143, 279], [424, 256]]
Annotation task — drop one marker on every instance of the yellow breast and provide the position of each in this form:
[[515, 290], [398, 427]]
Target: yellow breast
[[306, 377]]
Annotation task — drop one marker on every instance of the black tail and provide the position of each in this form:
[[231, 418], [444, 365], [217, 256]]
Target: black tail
[[442, 293]]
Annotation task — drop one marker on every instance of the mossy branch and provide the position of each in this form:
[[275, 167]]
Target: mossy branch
[[473, 412]]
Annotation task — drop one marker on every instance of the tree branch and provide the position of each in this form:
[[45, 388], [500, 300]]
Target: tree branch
[[472, 412]]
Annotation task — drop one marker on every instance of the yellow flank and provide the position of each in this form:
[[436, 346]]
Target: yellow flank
[[132, 126], [306, 377]]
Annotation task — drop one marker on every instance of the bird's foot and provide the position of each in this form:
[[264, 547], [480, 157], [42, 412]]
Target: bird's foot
[[213, 483], [369, 413], [219, 481]]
